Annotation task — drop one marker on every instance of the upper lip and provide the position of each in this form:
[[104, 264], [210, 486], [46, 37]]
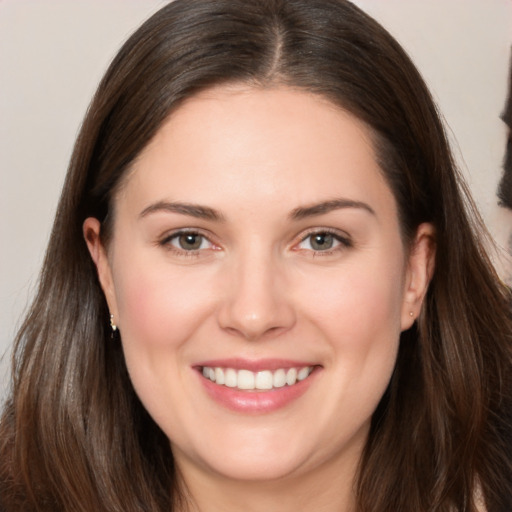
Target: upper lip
[[255, 365]]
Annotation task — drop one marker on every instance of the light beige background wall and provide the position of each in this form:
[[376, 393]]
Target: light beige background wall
[[53, 53]]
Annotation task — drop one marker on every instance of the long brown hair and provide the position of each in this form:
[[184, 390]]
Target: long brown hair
[[74, 435]]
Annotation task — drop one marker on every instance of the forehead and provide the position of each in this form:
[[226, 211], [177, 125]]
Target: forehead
[[249, 146]]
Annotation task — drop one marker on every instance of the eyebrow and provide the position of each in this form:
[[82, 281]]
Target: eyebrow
[[327, 206], [207, 213], [192, 210]]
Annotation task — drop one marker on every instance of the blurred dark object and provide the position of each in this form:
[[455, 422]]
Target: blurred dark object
[[505, 186]]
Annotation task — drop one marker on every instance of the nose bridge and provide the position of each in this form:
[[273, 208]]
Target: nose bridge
[[256, 302]]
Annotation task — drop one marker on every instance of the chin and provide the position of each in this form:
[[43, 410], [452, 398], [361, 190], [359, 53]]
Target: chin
[[258, 469], [259, 459]]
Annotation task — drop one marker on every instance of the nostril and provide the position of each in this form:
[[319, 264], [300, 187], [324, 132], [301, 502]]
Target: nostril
[[253, 331], [255, 306]]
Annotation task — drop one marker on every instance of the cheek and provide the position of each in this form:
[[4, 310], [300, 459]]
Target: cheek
[[159, 306], [361, 319], [358, 300], [160, 309], [359, 313]]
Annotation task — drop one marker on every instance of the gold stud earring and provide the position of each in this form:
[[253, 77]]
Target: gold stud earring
[[113, 326]]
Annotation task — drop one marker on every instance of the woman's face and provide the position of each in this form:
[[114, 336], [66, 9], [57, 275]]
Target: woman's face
[[259, 282]]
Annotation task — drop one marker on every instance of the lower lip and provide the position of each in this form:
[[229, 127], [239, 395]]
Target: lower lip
[[256, 402]]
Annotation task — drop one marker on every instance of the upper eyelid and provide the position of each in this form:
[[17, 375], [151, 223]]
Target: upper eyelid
[[182, 231], [343, 239], [166, 242], [341, 234]]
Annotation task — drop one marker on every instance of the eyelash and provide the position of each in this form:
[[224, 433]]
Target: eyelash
[[167, 243], [343, 240]]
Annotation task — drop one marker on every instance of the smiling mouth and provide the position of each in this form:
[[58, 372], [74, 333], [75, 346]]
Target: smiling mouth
[[246, 380]]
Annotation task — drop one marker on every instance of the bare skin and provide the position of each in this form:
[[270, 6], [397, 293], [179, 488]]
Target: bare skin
[[257, 229]]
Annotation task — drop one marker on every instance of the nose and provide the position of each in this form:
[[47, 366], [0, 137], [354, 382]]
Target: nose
[[255, 301]]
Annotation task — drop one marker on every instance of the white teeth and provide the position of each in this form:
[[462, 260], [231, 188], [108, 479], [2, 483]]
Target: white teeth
[[303, 373], [291, 376], [245, 379], [279, 378], [262, 380], [230, 378], [219, 376]]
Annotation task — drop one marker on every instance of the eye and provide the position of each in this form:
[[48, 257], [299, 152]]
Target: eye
[[320, 241], [323, 241], [187, 241]]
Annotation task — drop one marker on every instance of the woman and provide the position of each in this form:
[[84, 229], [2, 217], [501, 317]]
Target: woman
[[265, 286]]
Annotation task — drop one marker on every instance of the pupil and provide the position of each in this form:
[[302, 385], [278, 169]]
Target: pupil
[[190, 241], [322, 241]]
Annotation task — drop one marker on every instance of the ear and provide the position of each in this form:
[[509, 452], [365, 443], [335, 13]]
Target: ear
[[420, 269], [91, 229]]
